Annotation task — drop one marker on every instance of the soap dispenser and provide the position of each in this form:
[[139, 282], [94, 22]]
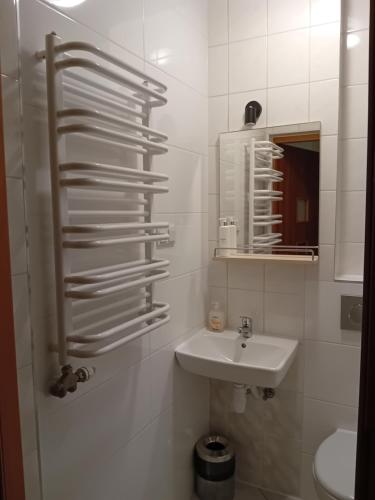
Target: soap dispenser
[[216, 317]]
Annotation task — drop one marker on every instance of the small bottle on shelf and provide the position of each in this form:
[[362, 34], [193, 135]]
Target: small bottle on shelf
[[224, 236], [232, 234]]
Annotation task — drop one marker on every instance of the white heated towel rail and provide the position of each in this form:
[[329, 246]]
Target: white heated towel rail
[[117, 101], [262, 194]]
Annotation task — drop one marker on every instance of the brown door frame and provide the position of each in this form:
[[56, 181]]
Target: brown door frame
[[12, 481], [365, 476]]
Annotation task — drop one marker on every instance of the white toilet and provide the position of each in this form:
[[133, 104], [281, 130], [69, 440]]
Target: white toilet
[[334, 466]]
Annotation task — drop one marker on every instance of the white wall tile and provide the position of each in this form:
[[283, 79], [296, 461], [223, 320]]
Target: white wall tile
[[288, 58], [21, 313], [284, 314], [247, 65], [187, 296], [213, 216], [350, 261], [17, 226], [323, 308], [293, 380], [121, 23], [31, 476], [184, 119], [288, 105], [213, 170], [328, 162], [355, 14], [12, 126], [327, 213], [355, 57], [325, 11], [219, 294], [287, 278], [218, 70], [217, 271], [217, 22], [324, 377], [237, 103], [172, 44], [189, 252], [288, 15], [245, 303], [354, 111], [246, 276], [8, 39], [247, 19], [354, 164], [352, 205], [324, 105], [322, 419], [324, 269], [218, 118], [27, 409], [187, 182], [114, 413], [324, 52]]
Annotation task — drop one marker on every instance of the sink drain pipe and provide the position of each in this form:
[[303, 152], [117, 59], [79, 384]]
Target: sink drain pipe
[[241, 391]]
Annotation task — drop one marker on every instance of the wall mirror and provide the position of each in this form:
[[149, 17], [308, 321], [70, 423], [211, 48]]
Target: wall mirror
[[269, 190]]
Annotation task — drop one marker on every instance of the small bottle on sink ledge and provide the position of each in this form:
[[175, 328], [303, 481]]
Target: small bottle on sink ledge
[[216, 318]]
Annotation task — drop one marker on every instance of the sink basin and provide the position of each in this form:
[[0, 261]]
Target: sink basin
[[260, 360]]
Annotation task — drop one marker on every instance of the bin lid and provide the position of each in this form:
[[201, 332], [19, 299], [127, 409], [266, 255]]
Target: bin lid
[[214, 449]]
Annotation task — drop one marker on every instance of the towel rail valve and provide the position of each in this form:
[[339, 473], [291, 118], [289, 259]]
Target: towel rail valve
[[68, 380]]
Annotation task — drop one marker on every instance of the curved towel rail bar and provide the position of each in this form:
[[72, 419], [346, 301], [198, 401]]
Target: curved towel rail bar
[[96, 228], [80, 62], [108, 90], [108, 103], [114, 185], [88, 47], [112, 169], [148, 238], [110, 135], [104, 117], [112, 272], [160, 308], [82, 353], [137, 283]]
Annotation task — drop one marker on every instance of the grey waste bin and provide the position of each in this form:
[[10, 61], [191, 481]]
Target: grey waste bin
[[214, 463]]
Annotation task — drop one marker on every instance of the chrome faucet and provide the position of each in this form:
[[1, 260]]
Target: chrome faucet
[[246, 328]]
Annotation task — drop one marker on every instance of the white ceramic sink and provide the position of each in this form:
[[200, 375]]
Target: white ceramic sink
[[260, 360]]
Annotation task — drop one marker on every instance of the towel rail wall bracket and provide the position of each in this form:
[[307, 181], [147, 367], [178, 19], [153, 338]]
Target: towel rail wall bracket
[[117, 102]]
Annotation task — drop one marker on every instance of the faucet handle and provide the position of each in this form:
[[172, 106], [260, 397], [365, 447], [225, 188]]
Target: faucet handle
[[246, 321]]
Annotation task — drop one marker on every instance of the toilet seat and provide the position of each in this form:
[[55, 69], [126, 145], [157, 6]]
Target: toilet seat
[[334, 465]]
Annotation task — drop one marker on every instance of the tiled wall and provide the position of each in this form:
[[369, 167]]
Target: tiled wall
[[353, 141], [129, 432], [286, 55], [10, 84]]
